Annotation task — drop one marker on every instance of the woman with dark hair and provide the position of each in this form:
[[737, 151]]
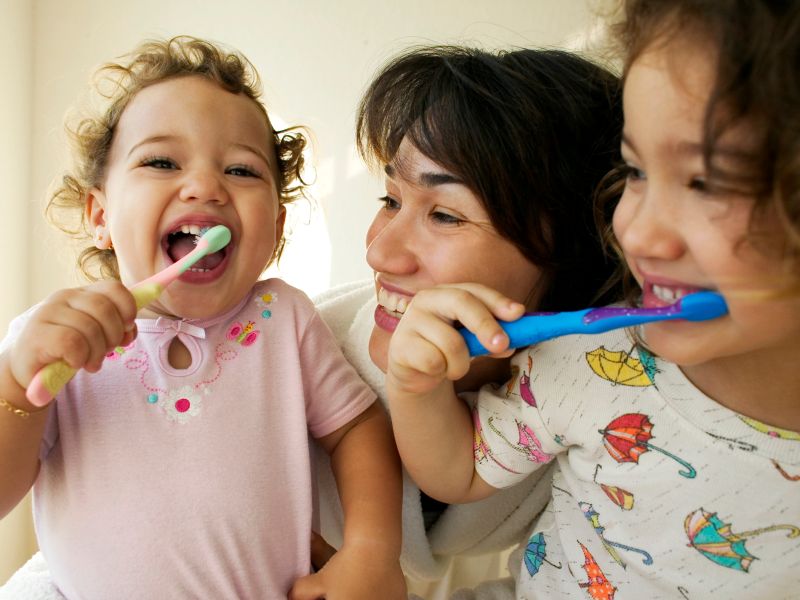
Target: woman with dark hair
[[490, 162]]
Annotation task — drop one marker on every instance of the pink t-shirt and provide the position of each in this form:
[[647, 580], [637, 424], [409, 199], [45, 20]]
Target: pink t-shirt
[[195, 483]]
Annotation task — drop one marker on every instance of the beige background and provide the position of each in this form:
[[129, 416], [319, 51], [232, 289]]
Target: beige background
[[315, 58]]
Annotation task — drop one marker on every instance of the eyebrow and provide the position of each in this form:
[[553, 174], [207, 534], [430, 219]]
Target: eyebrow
[[164, 138], [254, 150], [684, 148], [428, 179], [151, 140]]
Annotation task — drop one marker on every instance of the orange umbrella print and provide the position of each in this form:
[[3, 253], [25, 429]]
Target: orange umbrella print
[[598, 586]]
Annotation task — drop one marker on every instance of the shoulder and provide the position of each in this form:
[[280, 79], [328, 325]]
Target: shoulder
[[15, 327], [339, 305], [278, 292]]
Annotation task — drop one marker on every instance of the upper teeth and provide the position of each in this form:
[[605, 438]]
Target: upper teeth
[[192, 229], [393, 302], [667, 294]]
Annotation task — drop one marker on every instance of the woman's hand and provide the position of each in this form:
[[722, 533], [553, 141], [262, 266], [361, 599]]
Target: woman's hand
[[432, 426], [426, 349]]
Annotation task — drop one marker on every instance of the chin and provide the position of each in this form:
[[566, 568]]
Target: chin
[[379, 347]]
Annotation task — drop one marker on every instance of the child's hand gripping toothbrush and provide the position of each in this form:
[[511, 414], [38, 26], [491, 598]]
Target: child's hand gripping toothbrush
[[537, 327], [51, 378]]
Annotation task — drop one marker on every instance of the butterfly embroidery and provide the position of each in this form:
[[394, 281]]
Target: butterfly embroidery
[[246, 335]]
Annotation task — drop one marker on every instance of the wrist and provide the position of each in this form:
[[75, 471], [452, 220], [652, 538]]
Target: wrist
[[12, 393], [374, 546]]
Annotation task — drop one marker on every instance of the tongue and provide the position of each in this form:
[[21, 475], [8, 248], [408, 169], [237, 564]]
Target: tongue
[[183, 245]]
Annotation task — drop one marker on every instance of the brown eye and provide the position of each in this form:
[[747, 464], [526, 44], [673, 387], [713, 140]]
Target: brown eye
[[389, 203]]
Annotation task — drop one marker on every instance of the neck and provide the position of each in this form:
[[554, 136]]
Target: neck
[[764, 386]]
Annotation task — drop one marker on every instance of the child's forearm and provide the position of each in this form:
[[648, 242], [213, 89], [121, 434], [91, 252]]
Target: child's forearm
[[434, 434], [369, 479], [21, 429]]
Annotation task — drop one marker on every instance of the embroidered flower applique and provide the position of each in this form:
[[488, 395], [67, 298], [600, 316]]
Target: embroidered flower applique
[[264, 301], [182, 404]]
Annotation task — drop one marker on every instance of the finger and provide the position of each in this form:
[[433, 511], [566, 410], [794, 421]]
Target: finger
[[501, 306], [121, 297], [321, 551], [308, 587], [112, 308], [66, 334], [80, 326], [115, 310], [475, 307], [438, 349]]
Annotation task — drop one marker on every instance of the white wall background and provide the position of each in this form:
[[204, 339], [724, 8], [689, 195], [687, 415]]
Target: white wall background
[[315, 58]]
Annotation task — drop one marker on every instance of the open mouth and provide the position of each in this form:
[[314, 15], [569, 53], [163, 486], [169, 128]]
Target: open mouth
[[183, 239], [663, 295], [393, 304]]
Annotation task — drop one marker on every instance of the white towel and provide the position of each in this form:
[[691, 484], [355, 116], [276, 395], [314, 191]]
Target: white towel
[[31, 582]]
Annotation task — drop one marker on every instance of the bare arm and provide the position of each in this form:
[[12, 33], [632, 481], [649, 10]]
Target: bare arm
[[20, 438], [432, 426], [78, 326], [368, 476]]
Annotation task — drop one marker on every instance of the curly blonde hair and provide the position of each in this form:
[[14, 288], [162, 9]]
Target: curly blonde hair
[[116, 83]]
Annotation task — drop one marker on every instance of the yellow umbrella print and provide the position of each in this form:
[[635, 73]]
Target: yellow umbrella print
[[619, 367]]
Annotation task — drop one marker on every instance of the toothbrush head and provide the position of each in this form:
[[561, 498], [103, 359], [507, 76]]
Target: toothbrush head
[[216, 237], [702, 306]]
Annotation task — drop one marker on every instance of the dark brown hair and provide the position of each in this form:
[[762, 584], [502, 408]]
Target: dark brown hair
[[116, 84], [756, 45], [530, 132]]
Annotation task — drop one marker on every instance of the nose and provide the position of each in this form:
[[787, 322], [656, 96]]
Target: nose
[[648, 225], [391, 245], [203, 185]]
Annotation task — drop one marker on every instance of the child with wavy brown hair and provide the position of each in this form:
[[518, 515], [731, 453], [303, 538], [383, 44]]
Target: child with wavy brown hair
[[182, 468], [676, 446]]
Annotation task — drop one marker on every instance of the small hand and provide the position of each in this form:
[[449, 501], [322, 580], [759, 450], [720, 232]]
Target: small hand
[[426, 349], [79, 326], [321, 551], [351, 574]]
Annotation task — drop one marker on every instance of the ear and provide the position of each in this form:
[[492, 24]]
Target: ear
[[95, 213], [279, 223]]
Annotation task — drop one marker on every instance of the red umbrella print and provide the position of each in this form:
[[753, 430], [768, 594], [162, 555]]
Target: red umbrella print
[[525, 385], [628, 437], [598, 586]]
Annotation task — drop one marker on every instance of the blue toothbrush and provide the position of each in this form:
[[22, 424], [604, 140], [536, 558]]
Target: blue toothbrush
[[537, 327]]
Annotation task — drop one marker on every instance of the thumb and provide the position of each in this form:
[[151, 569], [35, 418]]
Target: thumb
[[308, 587], [321, 551]]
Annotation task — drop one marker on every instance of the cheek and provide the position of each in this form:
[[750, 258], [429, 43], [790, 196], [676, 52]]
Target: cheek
[[620, 219]]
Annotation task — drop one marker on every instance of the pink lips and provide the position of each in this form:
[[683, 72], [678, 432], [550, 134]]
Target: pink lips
[[384, 320]]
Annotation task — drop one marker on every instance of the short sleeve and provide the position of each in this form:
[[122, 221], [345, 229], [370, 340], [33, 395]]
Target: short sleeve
[[335, 394], [511, 440]]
